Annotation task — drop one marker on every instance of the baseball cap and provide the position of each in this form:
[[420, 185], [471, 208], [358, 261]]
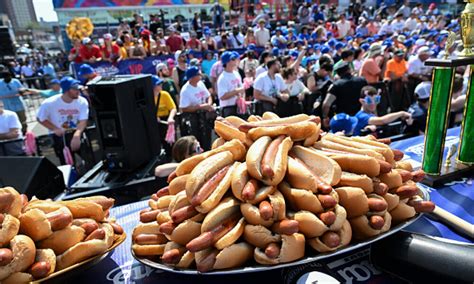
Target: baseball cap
[[194, 62], [177, 54], [108, 36], [68, 83], [160, 67], [325, 49], [424, 50], [294, 53], [155, 80], [252, 47], [227, 56], [343, 122], [401, 38], [399, 52], [332, 42], [86, 40], [423, 90], [365, 46], [275, 51], [339, 45], [54, 82], [191, 72], [85, 69]]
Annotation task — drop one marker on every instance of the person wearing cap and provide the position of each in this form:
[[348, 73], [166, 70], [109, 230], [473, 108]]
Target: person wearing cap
[[74, 53], [416, 65], [89, 51], [411, 22], [179, 72], [229, 84], [262, 34], [204, 78], [163, 72], [208, 41], [343, 123], [419, 109], [278, 40], [269, 88], [166, 110], [110, 50], [11, 92], [347, 55], [86, 73], [367, 118], [174, 42], [65, 116], [343, 93], [249, 62], [10, 133], [55, 89], [397, 67], [318, 84], [195, 103], [194, 43], [371, 67]]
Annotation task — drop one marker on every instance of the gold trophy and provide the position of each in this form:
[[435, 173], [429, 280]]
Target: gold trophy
[[467, 29]]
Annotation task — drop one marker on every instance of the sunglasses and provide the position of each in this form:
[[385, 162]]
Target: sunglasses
[[372, 99]]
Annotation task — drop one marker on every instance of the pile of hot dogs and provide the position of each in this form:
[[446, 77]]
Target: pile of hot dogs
[[270, 186], [40, 237]]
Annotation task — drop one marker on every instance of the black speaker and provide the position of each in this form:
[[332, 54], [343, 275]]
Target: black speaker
[[126, 119], [6, 42], [33, 176]]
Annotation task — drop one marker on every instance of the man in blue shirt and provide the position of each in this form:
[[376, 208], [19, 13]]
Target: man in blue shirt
[[367, 117], [11, 91], [48, 68]]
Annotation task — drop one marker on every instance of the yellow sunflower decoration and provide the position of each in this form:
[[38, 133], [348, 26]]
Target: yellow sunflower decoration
[[79, 28]]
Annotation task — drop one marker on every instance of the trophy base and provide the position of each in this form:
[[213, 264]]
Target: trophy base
[[454, 171]]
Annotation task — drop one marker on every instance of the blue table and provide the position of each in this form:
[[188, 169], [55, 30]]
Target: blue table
[[120, 267]]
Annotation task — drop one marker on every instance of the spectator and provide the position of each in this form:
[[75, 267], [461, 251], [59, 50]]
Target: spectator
[[55, 89], [28, 74], [193, 43], [297, 92], [179, 72], [204, 78], [11, 91], [216, 70], [123, 28], [48, 69], [160, 42], [148, 42], [208, 42], [262, 35], [405, 9], [195, 103], [343, 26], [304, 14], [10, 128], [236, 38], [397, 67], [344, 93], [154, 23], [65, 116], [410, 23], [418, 10], [398, 24], [249, 37], [137, 51], [166, 111], [110, 50], [74, 53], [344, 123], [185, 147], [347, 55], [269, 88], [367, 116], [278, 40], [416, 66], [127, 44], [218, 16], [197, 24], [370, 68], [224, 42], [174, 41], [90, 52], [358, 58], [229, 84], [163, 72], [207, 62], [265, 56], [249, 62]]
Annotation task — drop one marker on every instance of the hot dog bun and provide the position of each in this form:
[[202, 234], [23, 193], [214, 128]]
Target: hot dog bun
[[355, 180], [24, 251], [9, 229], [292, 248], [325, 168], [345, 234], [260, 236], [354, 200]]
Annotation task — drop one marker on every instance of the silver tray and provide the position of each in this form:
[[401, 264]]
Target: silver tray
[[260, 268]]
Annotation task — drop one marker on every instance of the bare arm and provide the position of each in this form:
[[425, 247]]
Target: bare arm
[[383, 120], [259, 96], [176, 79], [165, 169], [328, 101], [81, 126], [297, 62], [12, 134]]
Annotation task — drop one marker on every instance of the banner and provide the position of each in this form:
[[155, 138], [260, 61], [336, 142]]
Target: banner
[[121, 3]]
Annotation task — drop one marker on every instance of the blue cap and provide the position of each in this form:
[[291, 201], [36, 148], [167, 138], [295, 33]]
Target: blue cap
[[207, 31], [387, 43], [85, 69], [252, 46], [316, 46], [294, 53], [278, 29], [370, 40], [332, 42], [329, 34], [227, 56], [408, 43], [276, 51], [299, 41], [359, 35], [339, 45], [376, 37], [325, 49], [365, 46], [348, 38], [155, 80], [191, 72], [54, 81], [68, 83], [343, 122]]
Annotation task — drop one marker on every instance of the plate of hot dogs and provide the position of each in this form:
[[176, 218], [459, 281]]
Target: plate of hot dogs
[[276, 192], [42, 239]]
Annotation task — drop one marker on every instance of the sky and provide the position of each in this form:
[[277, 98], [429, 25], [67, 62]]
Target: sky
[[44, 9]]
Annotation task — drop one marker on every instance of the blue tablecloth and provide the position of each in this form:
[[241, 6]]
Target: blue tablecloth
[[120, 267]]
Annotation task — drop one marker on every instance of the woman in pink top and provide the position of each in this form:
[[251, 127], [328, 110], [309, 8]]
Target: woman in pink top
[[370, 68]]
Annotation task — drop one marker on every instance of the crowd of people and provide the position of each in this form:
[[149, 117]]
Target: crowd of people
[[358, 69]]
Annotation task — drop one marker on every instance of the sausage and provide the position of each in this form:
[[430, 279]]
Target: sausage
[[207, 239], [397, 155], [328, 217], [377, 205], [268, 158], [98, 234], [149, 216], [59, 220], [40, 269], [418, 176], [286, 227], [106, 203], [406, 175], [421, 206], [172, 176], [164, 191], [406, 191], [154, 197], [266, 210], [331, 239], [207, 262], [376, 222], [168, 227], [172, 256], [117, 228], [183, 213], [6, 200], [272, 250], [149, 239], [90, 227], [208, 187], [327, 201], [250, 189], [2, 217], [380, 188], [385, 167], [6, 256], [386, 141], [24, 200], [323, 188]]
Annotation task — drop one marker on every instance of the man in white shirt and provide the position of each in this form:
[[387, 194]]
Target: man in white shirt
[[343, 26], [27, 72], [10, 129], [398, 23], [236, 38], [65, 116], [269, 87], [262, 35], [416, 66], [195, 103], [229, 84], [410, 23]]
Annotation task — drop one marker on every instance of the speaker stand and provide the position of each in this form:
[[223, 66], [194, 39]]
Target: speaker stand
[[124, 187]]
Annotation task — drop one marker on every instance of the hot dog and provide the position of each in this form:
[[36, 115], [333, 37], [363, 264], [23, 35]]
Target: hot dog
[[300, 199], [232, 256], [354, 200], [298, 131], [62, 240], [273, 161], [40, 225], [246, 188], [10, 201], [228, 129], [364, 227], [285, 227], [355, 180], [420, 205], [162, 192], [300, 175], [44, 265], [291, 248], [332, 240], [9, 227], [22, 250], [178, 184], [147, 240], [267, 212]]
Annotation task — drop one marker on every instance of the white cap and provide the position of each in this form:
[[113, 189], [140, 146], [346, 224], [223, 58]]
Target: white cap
[[424, 50], [423, 90], [176, 55], [420, 41], [108, 36], [86, 40]]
